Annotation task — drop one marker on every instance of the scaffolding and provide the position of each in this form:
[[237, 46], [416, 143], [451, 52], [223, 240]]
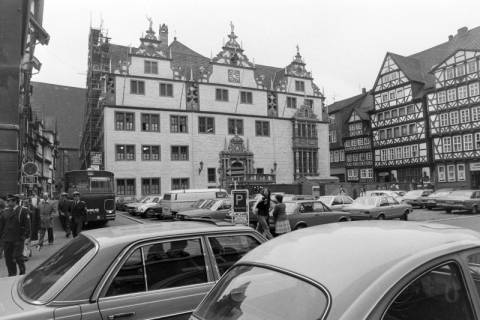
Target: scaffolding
[[98, 67]]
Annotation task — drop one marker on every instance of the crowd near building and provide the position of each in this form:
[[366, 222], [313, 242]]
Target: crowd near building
[[420, 123], [163, 117]]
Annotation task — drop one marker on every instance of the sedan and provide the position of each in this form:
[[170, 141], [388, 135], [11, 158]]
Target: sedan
[[214, 209], [337, 202], [414, 197], [383, 207], [154, 271], [306, 213], [132, 207], [430, 201], [461, 200], [389, 270]]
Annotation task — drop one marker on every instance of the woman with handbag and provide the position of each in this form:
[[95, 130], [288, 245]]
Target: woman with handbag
[[281, 223]]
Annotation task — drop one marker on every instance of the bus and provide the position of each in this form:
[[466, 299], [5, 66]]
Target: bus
[[96, 190]]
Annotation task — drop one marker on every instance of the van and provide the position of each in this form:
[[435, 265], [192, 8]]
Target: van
[[176, 200]]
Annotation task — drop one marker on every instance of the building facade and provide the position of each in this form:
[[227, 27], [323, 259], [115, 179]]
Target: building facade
[[171, 118]]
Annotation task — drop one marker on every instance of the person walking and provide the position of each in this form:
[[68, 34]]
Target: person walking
[[64, 211], [79, 214], [14, 233], [46, 210], [262, 210], [281, 223]]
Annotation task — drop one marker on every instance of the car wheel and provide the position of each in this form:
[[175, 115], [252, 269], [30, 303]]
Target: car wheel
[[474, 210], [381, 217], [405, 216], [448, 210], [429, 208], [148, 213], [300, 226], [343, 220]]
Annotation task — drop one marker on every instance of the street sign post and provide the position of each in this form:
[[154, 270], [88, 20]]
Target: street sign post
[[240, 214]]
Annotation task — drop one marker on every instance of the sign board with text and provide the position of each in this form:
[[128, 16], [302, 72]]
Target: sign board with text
[[96, 158], [240, 214], [475, 166]]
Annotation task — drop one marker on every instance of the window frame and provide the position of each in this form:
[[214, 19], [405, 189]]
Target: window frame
[[152, 67], [179, 152], [299, 85], [221, 95], [178, 125], [291, 102], [124, 122], [150, 122], [150, 185], [179, 178], [204, 127], [150, 153], [246, 97], [125, 152], [137, 87], [232, 130], [125, 187], [262, 128], [167, 90]]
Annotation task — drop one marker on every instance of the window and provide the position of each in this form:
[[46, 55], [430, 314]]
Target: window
[[336, 156], [412, 128], [442, 97], [476, 113], [398, 153], [414, 151], [150, 122], [385, 97], [387, 115], [392, 95], [477, 140], [178, 124], [457, 143], [291, 102], [461, 172], [211, 175], [352, 173], [451, 172], [464, 115], [342, 155], [308, 102], [467, 142], [246, 97], [369, 156], [462, 92], [447, 144], [130, 278], [206, 125], [262, 128], [454, 117], [125, 187], [472, 66], [150, 153], [166, 90], [404, 130], [391, 154], [389, 133], [299, 85], [125, 152], [332, 159], [399, 93], [363, 173], [180, 183], [451, 95], [125, 121], [443, 119], [383, 155], [137, 87], [473, 89], [150, 186], [460, 70], [410, 109], [382, 134], [441, 173], [401, 111], [406, 152], [426, 297], [380, 116], [229, 249], [355, 157], [235, 126], [174, 263], [332, 136], [179, 153], [450, 74], [221, 94], [151, 67]]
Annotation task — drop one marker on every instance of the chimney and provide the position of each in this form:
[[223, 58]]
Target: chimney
[[462, 31], [450, 38], [163, 35], [364, 90]]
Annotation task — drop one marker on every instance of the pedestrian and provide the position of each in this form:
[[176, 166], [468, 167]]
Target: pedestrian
[[262, 209], [46, 210], [64, 212], [281, 222], [79, 214], [14, 232], [34, 221]]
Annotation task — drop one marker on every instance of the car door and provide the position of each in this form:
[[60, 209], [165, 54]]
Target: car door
[[394, 209], [304, 214], [158, 280], [383, 208], [337, 203], [322, 215]]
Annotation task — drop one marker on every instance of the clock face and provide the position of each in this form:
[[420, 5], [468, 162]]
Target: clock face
[[233, 75]]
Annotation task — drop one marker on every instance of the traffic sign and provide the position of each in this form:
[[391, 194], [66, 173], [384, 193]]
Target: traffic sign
[[240, 214]]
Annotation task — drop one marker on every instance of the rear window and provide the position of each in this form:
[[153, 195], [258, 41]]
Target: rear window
[[256, 293], [168, 196], [44, 282]]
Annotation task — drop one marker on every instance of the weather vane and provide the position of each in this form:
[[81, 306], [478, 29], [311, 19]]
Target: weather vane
[[150, 21], [232, 27]]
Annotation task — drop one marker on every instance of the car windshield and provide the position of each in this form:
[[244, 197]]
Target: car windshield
[[326, 199], [255, 293], [145, 200], [365, 202], [461, 193], [45, 281], [209, 204], [197, 203]]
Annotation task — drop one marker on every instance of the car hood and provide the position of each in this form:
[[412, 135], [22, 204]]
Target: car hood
[[9, 301]]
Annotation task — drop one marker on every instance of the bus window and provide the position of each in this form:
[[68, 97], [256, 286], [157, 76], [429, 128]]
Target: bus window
[[78, 183], [100, 184]]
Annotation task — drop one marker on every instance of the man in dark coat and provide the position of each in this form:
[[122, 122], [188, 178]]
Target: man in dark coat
[[79, 214], [14, 231], [64, 212]]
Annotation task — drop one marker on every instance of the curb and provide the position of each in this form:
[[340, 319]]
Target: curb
[[127, 216]]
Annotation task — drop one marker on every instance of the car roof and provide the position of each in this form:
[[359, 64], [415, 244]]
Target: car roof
[[348, 258], [195, 190], [113, 236]]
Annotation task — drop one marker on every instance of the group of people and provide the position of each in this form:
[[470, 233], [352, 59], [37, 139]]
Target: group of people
[[24, 221], [281, 225]]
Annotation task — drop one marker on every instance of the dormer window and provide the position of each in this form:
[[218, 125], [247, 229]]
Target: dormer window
[[450, 74], [308, 102], [151, 67], [299, 85], [460, 70]]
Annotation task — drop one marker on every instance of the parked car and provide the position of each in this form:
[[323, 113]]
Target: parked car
[[122, 202], [156, 211], [294, 197], [396, 194], [390, 270], [378, 207], [132, 207], [337, 202], [430, 201], [214, 209], [461, 200], [413, 197], [148, 208], [306, 213], [141, 271]]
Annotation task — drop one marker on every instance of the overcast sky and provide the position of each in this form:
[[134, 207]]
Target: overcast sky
[[343, 42]]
